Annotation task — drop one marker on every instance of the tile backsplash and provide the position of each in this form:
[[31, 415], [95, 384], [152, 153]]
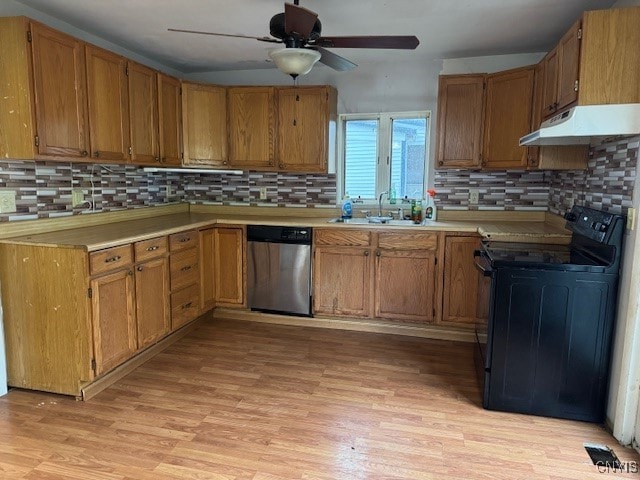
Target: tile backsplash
[[606, 184], [44, 189]]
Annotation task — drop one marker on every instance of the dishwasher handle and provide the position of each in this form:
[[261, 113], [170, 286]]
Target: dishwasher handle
[[482, 263]]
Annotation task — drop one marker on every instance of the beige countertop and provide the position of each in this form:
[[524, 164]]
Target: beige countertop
[[97, 237]]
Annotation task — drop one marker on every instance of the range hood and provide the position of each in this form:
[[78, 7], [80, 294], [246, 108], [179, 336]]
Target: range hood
[[578, 125]]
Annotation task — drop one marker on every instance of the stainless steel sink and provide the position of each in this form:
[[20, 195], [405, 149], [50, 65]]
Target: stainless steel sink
[[375, 220]]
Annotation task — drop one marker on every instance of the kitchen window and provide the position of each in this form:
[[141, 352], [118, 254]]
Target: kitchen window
[[381, 152]]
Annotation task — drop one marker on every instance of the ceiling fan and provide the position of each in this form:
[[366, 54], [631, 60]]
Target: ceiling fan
[[300, 31]]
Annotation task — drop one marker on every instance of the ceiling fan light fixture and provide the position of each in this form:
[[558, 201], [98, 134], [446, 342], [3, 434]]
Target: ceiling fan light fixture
[[294, 61]]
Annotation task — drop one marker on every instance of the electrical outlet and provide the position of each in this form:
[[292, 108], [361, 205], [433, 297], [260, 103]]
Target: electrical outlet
[[631, 219], [77, 197], [474, 196], [7, 201], [263, 193]]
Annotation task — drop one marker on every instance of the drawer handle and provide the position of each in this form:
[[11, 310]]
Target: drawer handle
[[185, 240], [187, 305], [112, 259], [185, 269], [151, 249]]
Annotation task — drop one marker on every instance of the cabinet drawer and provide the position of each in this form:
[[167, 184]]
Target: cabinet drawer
[[184, 306], [152, 248], [352, 238], [184, 268], [408, 241], [110, 259], [182, 240]]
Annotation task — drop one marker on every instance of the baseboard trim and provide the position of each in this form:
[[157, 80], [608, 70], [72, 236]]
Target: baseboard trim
[[370, 326], [92, 389]]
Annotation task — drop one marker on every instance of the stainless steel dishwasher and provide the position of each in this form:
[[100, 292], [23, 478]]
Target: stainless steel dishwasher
[[279, 269]]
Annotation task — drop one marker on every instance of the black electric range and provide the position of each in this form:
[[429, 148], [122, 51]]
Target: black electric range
[[551, 318]]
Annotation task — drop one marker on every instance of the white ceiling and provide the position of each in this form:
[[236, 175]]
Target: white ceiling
[[445, 28]]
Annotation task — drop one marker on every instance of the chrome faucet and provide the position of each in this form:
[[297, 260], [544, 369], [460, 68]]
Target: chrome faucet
[[380, 202]]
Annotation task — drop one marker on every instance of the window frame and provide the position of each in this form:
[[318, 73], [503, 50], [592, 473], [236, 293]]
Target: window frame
[[383, 175]]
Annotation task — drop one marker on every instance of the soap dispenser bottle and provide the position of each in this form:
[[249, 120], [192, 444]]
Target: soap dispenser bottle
[[347, 207]]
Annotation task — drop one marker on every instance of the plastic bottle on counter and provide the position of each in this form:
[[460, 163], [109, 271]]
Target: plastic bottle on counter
[[416, 211], [347, 207], [392, 194], [430, 209]]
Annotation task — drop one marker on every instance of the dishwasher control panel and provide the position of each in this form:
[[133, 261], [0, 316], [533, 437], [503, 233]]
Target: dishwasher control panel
[[279, 234]]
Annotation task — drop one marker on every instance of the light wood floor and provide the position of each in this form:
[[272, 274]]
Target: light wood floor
[[240, 400]]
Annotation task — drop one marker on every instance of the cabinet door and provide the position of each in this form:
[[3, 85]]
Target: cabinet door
[[568, 66], [204, 123], [108, 105], [251, 127], [304, 117], [114, 322], [207, 269], [550, 88], [143, 114], [152, 301], [466, 293], [459, 128], [342, 281], [508, 113], [60, 93], [170, 118], [405, 285], [228, 268]]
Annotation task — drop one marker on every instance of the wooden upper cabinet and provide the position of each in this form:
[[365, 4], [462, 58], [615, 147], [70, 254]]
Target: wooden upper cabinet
[[609, 62], [107, 89], [459, 125], [170, 120], [568, 66], [252, 121], [508, 114], [60, 96], [550, 83], [306, 127], [143, 114], [204, 123]]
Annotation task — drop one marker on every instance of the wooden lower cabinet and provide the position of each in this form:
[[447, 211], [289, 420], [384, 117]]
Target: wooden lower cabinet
[[114, 319], [184, 274], [342, 281], [404, 285], [229, 265], [466, 292], [207, 269], [388, 275], [152, 301]]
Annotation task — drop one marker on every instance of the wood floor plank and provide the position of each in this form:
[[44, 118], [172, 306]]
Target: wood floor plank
[[236, 400]]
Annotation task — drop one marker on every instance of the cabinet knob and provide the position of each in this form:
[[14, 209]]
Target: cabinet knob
[[378, 253], [96, 153], [140, 268], [366, 253], [129, 272], [85, 153], [224, 163], [158, 159], [441, 162]]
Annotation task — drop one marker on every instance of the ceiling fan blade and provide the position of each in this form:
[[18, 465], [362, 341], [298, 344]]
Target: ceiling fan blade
[[262, 39], [299, 20], [408, 42], [334, 61]]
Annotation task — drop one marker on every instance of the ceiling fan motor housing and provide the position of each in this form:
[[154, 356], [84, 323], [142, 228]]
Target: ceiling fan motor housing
[[292, 39]]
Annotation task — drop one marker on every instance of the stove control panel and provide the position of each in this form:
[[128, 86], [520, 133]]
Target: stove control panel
[[593, 224]]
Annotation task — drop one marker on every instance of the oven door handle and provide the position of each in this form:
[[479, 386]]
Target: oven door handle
[[482, 263]]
